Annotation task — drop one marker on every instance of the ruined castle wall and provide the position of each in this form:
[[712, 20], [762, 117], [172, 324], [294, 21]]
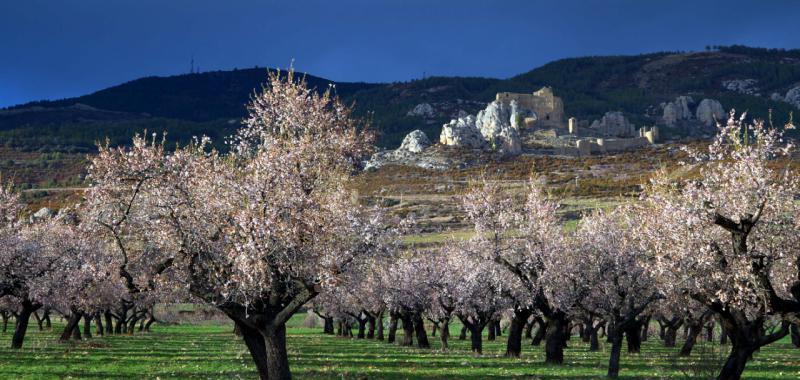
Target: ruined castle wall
[[616, 145], [548, 107]]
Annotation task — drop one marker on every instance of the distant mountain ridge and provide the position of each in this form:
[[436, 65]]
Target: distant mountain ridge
[[197, 97], [752, 79]]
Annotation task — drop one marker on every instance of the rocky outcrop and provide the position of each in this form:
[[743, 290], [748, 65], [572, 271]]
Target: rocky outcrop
[[614, 124], [422, 110], [499, 125], [793, 96], [742, 86], [677, 110], [42, 214], [495, 128], [462, 132], [709, 111], [415, 142]]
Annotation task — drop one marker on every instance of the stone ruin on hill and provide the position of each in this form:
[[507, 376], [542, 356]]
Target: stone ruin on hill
[[514, 124], [498, 126]]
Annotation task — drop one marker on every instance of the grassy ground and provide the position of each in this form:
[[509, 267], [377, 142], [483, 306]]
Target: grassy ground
[[213, 352]]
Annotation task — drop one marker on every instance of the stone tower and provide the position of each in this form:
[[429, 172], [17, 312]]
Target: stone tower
[[548, 108]]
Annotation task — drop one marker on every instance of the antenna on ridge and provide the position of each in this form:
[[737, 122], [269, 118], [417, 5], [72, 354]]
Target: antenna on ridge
[[191, 65]]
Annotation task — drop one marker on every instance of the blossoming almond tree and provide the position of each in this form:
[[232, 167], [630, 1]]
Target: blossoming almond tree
[[407, 290], [729, 239], [482, 292], [524, 241], [258, 231], [50, 263], [607, 260]]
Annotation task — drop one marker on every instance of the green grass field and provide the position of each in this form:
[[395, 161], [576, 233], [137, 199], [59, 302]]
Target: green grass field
[[213, 352]]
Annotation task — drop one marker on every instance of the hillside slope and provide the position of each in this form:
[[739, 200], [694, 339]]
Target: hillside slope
[[211, 103]]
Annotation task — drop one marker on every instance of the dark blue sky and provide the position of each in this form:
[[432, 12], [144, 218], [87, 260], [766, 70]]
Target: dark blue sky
[[61, 48]]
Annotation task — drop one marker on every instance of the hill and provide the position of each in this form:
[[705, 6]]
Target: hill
[[752, 79]]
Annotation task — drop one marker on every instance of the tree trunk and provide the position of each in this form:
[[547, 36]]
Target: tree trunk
[[98, 324], [723, 336], [671, 336], [434, 328], [645, 328], [348, 329], [463, 334], [76, 331], [380, 327], [328, 325], [362, 328], [491, 335], [22, 324], [445, 334], [122, 326], [419, 329], [476, 336], [529, 330], [87, 326], [498, 330], [515, 330], [370, 327], [539, 336], [132, 324], [710, 332], [585, 331], [616, 350], [46, 316], [555, 338], [119, 326], [633, 335], [594, 342], [277, 357], [109, 323], [5, 320], [747, 336], [794, 331], [392, 328], [734, 365], [149, 323], [408, 331], [255, 343], [71, 326], [694, 331], [39, 321]]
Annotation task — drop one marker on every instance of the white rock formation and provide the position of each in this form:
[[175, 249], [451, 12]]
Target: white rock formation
[[423, 110], [415, 142], [496, 127], [742, 86], [499, 125], [614, 124], [793, 96], [709, 111], [677, 110], [462, 132], [42, 214]]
